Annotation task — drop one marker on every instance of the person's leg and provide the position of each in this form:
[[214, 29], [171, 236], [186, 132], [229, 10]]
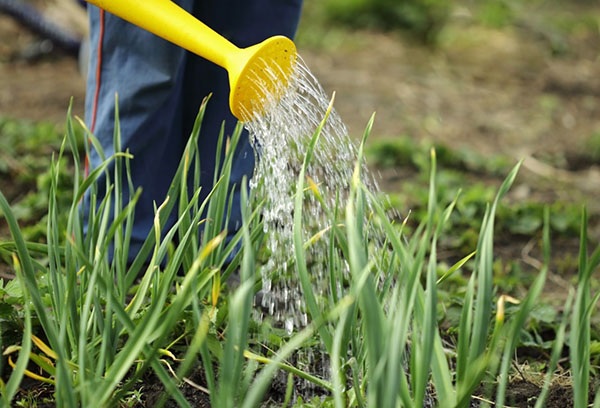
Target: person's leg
[[244, 23], [147, 74], [160, 89]]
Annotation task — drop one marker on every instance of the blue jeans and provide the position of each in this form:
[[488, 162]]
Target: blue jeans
[[161, 87]]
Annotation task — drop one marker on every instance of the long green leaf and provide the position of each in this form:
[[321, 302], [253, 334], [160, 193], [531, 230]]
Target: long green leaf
[[12, 386]]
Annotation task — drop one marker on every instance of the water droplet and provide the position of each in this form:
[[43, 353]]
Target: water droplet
[[289, 325]]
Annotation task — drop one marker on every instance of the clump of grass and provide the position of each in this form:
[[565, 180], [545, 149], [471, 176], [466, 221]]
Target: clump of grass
[[102, 330], [104, 323], [386, 336]]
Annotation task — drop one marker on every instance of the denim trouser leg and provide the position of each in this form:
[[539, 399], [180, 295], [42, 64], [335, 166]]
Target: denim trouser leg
[[161, 87]]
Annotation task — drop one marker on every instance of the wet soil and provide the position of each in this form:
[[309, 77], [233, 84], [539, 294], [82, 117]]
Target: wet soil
[[523, 394], [152, 390], [520, 394]]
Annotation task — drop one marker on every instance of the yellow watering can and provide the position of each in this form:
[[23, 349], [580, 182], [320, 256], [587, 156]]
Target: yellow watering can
[[254, 72]]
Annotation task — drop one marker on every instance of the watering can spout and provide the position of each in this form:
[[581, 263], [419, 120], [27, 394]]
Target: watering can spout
[[256, 74]]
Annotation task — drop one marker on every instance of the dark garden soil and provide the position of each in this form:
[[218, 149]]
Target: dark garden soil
[[523, 394], [520, 394], [194, 391]]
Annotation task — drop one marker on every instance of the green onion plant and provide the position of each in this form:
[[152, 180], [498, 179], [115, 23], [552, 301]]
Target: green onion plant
[[105, 324]]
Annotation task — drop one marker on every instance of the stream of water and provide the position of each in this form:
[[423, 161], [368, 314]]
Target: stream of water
[[281, 137]]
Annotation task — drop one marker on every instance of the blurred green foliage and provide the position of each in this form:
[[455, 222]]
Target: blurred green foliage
[[476, 177], [496, 13], [556, 24], [423, 18], [593, 146], [26, 151]]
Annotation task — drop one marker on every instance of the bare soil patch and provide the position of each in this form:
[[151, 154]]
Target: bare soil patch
[[38, 88]]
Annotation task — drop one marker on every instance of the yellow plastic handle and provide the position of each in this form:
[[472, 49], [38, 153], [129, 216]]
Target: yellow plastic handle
[[169, 21]]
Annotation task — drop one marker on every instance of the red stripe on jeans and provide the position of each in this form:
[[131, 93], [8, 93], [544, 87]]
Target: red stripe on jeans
[[98, 77]]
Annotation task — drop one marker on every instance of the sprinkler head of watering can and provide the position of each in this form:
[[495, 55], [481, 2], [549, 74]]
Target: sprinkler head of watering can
[[258, 75]]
